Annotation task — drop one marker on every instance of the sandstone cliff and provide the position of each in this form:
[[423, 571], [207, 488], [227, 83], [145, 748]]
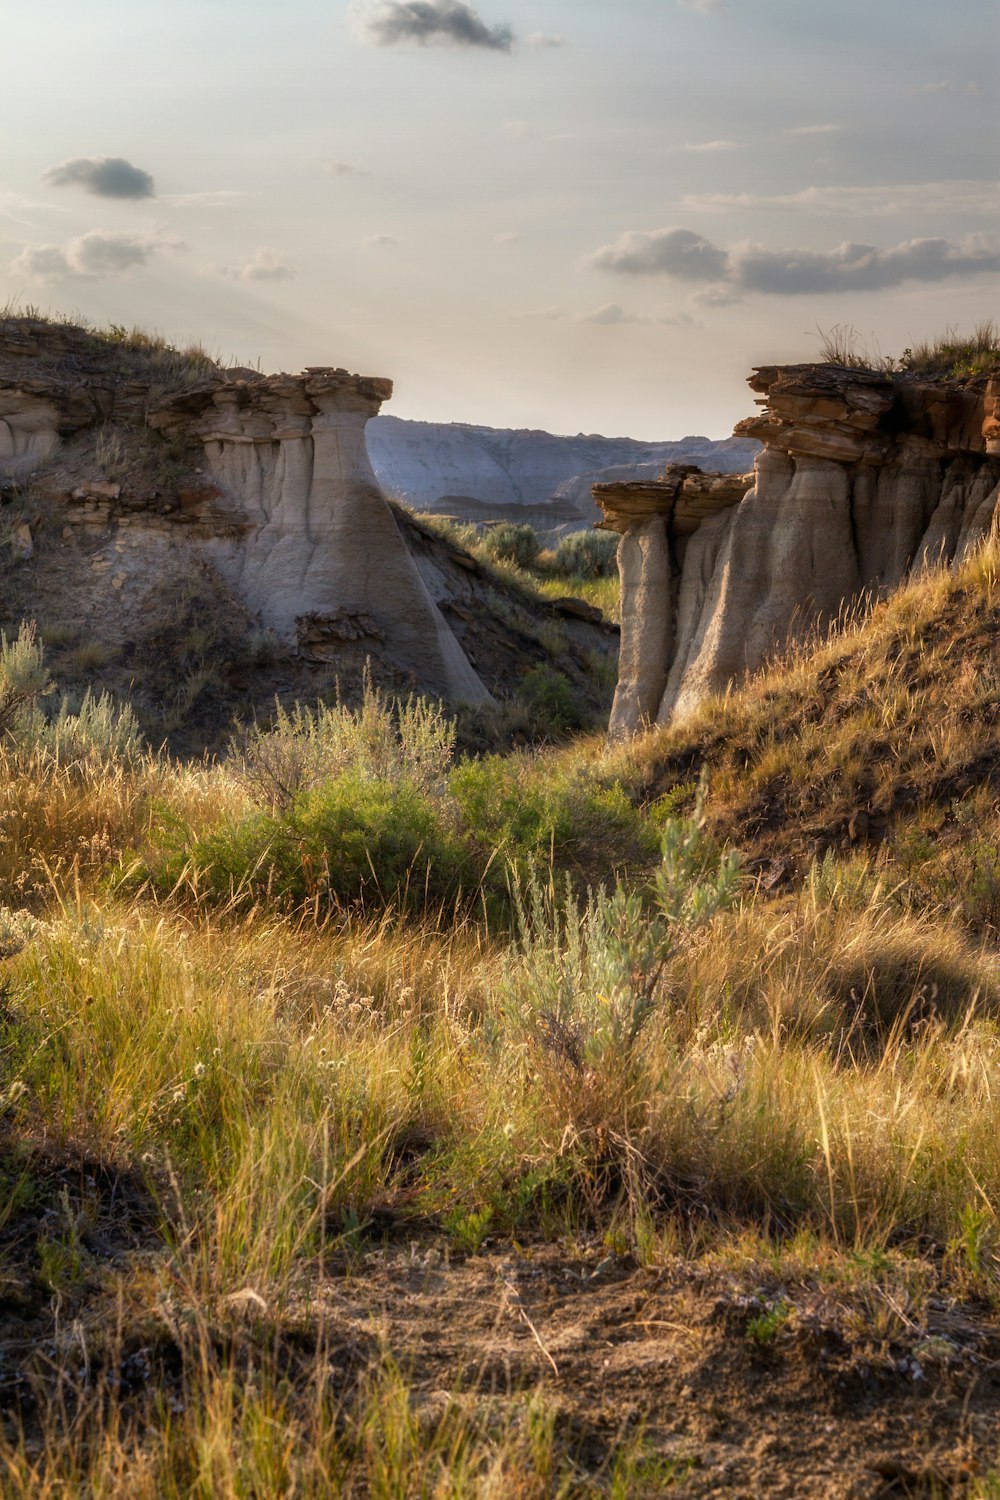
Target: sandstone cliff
[[862, 478], [277, 494]]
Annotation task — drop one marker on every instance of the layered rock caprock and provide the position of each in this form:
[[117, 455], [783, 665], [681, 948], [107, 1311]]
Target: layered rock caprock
[[862, 478]]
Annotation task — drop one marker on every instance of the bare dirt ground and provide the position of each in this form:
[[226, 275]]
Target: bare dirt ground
[[821, 1408], [732, 1383]]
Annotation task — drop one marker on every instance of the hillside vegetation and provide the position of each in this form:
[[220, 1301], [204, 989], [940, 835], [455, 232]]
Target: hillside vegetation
[[363, 1103]]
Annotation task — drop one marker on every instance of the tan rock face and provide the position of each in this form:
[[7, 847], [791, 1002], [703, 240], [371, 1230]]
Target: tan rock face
[[289, 452], [289, 512], [863, 477]]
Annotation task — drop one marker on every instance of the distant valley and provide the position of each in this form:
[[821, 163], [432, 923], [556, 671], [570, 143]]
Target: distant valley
[[482, 473]]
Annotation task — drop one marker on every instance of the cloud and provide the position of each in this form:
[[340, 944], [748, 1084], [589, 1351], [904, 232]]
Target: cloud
[[830, 129], [101, 252], [510, 237], [539, 315], [213, 198], [431, 22], [679, 320], [961, 196], [107, 176], [380, 241], [341, 168], [668, 252], [540, 41], [611, 313], [726, 274], [862, 268], [264, 265], [713, 146], [705, 7]]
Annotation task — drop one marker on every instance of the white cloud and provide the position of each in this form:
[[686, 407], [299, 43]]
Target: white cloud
[[611, 313], [539, 315], [962, 196], [540, 41], [679, 320], [511, 237], [380, 241], [712, 146], [705, 7], [671, 252], [829, 129], [264, 265], [213, 198], [99, 253]]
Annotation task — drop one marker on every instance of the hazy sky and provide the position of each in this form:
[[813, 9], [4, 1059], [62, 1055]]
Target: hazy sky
[[580, 215]]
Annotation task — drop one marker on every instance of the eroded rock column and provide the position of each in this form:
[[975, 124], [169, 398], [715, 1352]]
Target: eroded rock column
[[647, 626]]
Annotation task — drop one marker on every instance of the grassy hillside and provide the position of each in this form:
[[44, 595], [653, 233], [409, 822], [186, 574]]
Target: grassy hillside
[[349, 1146]]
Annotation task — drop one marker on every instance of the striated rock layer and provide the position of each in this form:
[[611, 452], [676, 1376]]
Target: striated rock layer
[[288, 511], [862, 479]]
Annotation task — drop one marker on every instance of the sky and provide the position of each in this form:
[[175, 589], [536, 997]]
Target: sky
[[573, 215]]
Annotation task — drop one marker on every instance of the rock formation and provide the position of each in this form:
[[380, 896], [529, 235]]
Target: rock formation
[[863, 477], [284, 504]]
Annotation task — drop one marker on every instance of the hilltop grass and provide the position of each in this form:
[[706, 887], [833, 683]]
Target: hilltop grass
[[951, 356], [679, 1061], [878, 742]]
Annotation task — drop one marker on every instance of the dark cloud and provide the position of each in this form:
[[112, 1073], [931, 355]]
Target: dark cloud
[[860, 268], [102, 252], [726, 274], [662, 252], [107, 176], [432, 22]]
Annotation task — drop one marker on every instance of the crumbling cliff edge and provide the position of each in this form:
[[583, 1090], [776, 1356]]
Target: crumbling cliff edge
[[863, 478]]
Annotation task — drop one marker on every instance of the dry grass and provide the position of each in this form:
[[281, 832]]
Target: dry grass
[[808, 1077], [952, 356], [886, 729]]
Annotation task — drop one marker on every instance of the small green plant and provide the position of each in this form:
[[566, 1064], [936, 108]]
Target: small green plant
[[469, 1230], [765, 1327]]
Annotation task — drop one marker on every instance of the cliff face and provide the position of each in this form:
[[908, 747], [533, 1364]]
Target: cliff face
[[862, 478], [279, 495]]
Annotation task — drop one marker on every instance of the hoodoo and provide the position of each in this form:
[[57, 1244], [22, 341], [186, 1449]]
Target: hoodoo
[[279, 496], [862, 478]]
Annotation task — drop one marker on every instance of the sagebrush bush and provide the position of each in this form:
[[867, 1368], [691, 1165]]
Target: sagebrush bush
[[24, 680], [587, 554], [411, 741], [511, 542]]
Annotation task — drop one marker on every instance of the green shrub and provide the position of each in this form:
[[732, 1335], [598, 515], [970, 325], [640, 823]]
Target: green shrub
[[517, 819], [551, 700], [511, 542], [587, 554], [350, 842]]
